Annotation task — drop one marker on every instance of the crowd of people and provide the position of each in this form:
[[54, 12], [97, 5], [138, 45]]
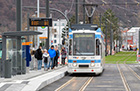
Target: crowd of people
[[50, 57]]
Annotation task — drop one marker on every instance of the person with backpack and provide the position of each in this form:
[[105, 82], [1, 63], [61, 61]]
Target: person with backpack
[[45, 58], [38, 56], [56, 57], [52, 54], [63, 53]]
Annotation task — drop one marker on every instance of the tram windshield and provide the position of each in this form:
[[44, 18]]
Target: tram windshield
[[83, 44]]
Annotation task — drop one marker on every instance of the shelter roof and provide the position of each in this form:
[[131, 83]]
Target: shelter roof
[[21, 33]]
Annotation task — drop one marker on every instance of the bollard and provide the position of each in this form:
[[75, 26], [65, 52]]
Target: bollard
[[8, 68], [23, 66]]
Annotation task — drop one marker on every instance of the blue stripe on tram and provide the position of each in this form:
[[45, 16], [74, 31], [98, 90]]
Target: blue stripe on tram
[[84, 61]]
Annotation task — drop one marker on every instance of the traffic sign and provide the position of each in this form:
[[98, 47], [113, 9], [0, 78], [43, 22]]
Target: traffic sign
[[43, 27], [40, 22]]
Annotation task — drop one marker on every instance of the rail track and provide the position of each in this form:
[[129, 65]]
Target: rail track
[[123, 77], [72, 80], [87, 80]]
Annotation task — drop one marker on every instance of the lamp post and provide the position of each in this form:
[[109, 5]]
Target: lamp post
[[38, 43]]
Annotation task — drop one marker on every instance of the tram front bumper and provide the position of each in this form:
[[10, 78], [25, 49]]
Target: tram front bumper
[[85, 70]]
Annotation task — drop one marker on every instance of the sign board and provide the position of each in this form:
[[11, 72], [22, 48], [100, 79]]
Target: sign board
[[40, 22], [44, 34]]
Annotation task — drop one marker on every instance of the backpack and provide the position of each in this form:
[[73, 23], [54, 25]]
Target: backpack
[[36, 54]]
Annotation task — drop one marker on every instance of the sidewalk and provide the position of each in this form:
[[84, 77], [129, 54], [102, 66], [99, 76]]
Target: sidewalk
[[35, 80]]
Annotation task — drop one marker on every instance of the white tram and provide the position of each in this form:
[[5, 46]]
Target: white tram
[[86, 49]]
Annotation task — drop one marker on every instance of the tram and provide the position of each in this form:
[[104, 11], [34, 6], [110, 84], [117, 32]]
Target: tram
[[86, 49]]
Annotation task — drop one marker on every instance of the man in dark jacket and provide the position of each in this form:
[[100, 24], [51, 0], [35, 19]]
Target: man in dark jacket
[[56, 57], [38, 56]]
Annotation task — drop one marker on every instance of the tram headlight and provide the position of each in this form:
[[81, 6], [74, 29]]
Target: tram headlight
[[92, 64], [74, 64]]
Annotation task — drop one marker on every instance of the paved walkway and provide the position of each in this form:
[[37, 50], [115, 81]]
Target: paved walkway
[[32, 81]]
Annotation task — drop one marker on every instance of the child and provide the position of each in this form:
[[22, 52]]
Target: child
[[45, 57]]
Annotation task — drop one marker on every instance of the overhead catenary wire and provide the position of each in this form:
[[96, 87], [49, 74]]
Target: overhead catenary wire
[[71, 7]]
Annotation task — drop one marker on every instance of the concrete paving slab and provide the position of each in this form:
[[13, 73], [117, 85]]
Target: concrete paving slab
[[32, 81]]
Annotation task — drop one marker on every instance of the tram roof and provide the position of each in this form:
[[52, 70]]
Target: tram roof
[[91, 27]]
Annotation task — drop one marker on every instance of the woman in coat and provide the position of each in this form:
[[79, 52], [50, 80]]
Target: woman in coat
[[63, 53]]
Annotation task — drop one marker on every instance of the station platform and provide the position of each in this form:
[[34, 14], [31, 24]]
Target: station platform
[[32, 81]]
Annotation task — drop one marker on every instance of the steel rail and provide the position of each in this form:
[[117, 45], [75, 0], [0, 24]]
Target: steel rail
[[86, 84], [126, 85]]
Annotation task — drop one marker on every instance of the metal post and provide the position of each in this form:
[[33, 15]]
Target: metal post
[[19, 60], [139, 42], [110, 40], [47, 15], [47, 9], [90, 18], [38, 43], [100, 19], [77, 10], [106, 38], [59, 32], [84, 12], [18, 15], [119, 40], [28, 26], [126, 41], [3, 54], [19, 28]]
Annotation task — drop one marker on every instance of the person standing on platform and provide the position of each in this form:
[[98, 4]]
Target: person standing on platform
[[52, 54], [38, 56], [45, 58], [56, 57], [63, 53]]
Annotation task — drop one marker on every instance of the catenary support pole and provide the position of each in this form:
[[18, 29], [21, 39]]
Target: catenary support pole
[[106, 38], [84, 12], [139, 42], [28, 26], [47, 15], [77, 10], [100, 19], [38, 42], [119, 40], [111, 40], [19, 28], [18, 15]]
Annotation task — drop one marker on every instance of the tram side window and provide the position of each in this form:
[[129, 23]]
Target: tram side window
[[97, 47], [70, 47]]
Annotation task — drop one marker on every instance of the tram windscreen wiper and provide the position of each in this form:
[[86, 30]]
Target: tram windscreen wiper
[[78, 51]]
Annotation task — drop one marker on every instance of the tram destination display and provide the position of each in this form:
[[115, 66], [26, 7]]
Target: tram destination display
[[40, 22]]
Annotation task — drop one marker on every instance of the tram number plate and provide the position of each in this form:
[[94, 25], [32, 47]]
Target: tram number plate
[[83, 65]]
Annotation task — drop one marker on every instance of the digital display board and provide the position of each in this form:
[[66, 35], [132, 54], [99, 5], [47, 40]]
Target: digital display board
[[83, 35], [40, 22]]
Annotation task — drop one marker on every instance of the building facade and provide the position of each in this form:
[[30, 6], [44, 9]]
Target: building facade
[[130, 37], [56, 32]]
